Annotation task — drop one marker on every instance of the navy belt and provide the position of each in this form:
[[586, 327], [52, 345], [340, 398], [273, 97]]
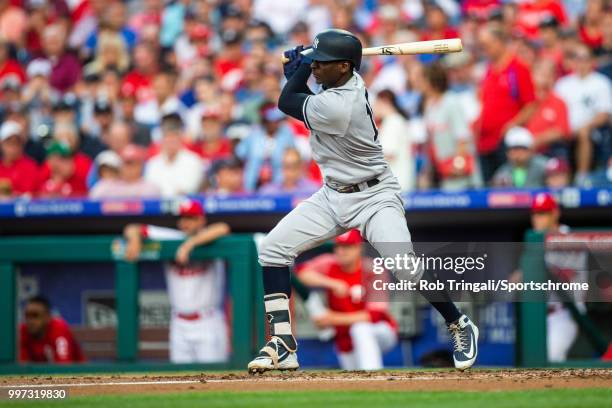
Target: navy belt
[[355, 188]]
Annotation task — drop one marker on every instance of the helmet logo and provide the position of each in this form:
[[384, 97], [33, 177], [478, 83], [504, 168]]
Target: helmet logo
[[315, 43]]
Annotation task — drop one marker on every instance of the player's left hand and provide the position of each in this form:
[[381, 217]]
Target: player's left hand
[[182, 253], [295, 58]]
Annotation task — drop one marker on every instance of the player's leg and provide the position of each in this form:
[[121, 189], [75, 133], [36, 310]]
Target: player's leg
[[368, 355], [386, 230], [308, 225], [212, 342], [561, 331], [386, 336], [180, 348], [347, 361]]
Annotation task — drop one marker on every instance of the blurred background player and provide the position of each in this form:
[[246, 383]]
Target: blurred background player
[[364, 328], [562, 265], [44, 338], [198, 328]]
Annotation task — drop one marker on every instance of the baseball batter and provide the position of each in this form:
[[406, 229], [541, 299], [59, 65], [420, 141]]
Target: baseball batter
[[360, 192]]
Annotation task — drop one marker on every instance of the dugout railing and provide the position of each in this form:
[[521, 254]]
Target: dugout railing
[[243, 279]]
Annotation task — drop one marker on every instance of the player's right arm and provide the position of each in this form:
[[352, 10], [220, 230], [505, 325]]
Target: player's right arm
[[133, 236]]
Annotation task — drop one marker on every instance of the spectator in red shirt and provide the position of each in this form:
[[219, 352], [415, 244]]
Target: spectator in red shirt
[[507, 96], [9, 68], [213, 145], [44, 338], [63, 180], [139, 81], [437, 25], [551, 46], [364, 328], [549, 123], [590, 25], [532, 12], [67, 134], [18, 173]]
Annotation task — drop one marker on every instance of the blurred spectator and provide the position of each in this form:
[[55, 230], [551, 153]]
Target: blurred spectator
[[507, 97], [590, 24], [44, 338], [111, 53], [108, 164], [437, 26], [558, 174], [531, 13], [364, 328], [149, 14], [18, 173], [281, 16], [198, 326], [129, 182], [165, 100], [395, 138], [212, 144], [263, 150], [551, 48], [13, 23], [294, 178], [139, 81], [66, 68], [549, 123], [524, 168], [115, 139], [9, 68], [588, 96], [460, 69], [174, 170], [227, 177], [451, 145], [112, 23], [63, 179], [206, 92]]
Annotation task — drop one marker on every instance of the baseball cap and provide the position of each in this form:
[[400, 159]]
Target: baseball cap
[[556, 166], [10, 128], [352, 237], [108, 158], [191, 208], [133, 152], [518, 137], [39, 67], [229, 163], [60, 149], [544, 202]]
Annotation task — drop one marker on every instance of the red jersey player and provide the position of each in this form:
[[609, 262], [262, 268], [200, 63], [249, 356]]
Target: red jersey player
[[364, 329], [44, 338]]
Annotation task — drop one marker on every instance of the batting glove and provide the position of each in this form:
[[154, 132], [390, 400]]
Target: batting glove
[[295, 59]]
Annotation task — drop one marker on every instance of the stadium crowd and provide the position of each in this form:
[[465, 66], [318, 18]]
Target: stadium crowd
[[150, 98]]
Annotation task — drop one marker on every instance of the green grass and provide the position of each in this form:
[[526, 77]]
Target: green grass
[[557, 398]]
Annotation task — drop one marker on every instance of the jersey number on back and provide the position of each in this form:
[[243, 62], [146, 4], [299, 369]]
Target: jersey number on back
[[371, 115]]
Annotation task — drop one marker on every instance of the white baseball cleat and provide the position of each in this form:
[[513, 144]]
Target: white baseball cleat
[[274, 356], [465, 342]]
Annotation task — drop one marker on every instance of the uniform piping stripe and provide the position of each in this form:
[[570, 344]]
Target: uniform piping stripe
[[306, 122]]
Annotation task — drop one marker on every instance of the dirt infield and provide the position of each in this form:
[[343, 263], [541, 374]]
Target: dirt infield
[[405, 380]]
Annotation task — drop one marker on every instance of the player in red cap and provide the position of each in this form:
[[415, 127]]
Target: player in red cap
[[198, 328], [364, 328], [563, 265]]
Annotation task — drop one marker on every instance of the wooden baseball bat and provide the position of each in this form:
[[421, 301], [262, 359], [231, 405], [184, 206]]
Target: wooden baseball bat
[[412, 48]]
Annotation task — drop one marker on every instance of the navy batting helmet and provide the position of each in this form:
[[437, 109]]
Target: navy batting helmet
[[335, 45]]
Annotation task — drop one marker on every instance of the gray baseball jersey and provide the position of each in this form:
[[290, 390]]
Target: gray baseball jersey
[[344, 137]]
